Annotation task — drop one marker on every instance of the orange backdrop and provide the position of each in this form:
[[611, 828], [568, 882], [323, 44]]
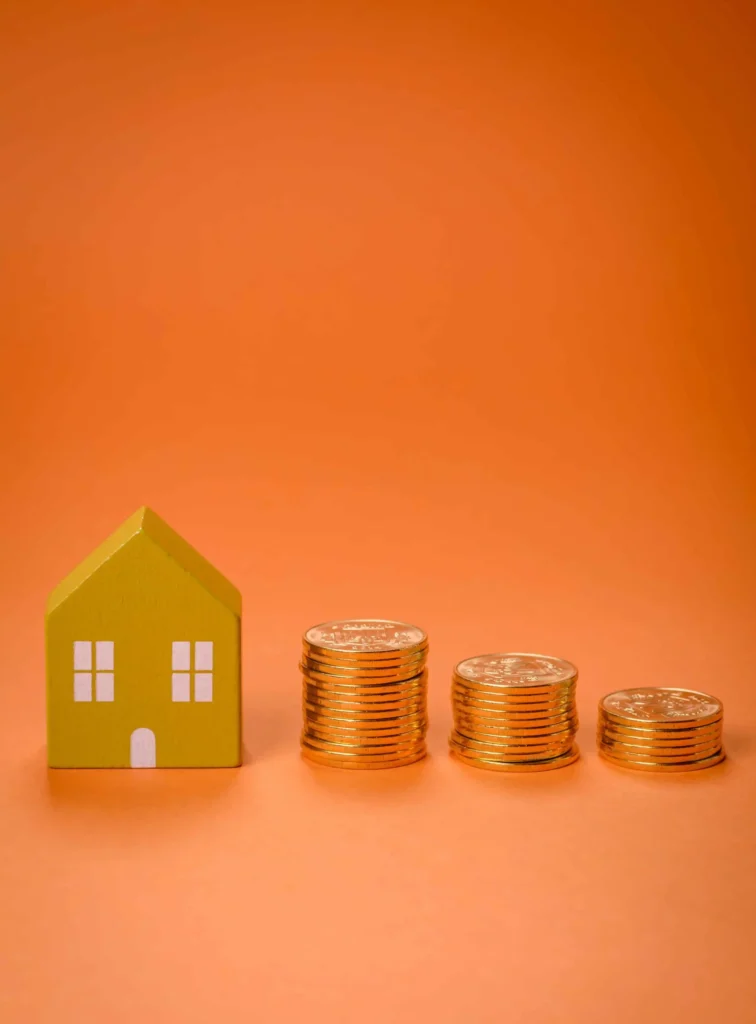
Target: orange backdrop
[[441, 311]]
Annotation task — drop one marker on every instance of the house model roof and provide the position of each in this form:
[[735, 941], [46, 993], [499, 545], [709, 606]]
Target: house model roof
[[147, 522]]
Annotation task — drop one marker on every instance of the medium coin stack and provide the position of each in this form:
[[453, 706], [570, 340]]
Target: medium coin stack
[[364, 693], [661, 729], [514, 712]]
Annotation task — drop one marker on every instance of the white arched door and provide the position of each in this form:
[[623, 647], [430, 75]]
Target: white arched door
[[143, 748]]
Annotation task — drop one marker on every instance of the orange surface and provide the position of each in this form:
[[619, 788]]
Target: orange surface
[[437, 311]]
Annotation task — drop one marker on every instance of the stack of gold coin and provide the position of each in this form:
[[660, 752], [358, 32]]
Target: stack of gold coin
[[661, 729], [514, 712], [364, 693]]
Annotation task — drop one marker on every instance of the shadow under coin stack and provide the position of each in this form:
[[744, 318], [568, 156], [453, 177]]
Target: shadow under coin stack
[[364, 694], [514, 712], [661, 729]]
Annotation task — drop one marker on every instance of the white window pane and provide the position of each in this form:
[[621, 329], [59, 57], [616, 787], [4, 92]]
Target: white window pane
[[203, 656], [104, 653], [104, 686], [181, 655], [203, 686], [83, 655], [180, 686], [82, 685]]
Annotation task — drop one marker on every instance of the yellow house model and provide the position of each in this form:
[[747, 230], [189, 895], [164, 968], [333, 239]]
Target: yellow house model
[[143, 657]]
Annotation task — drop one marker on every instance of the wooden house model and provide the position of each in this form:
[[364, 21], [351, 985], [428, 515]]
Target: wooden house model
[[143, 656]]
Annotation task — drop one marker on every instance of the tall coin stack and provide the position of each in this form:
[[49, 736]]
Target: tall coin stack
[[364, 693], [661, 729], [514, 712]]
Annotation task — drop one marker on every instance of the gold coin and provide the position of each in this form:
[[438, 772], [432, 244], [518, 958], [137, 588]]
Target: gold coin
[[364, 674], [680, 741], [413, 713], [352, 753], [519, 766], [507, 686], [509, 739], [610, 726], [650, 766], [526, 727], [347, 753], [511, 696], [405, 725], [495, 723], [365, 638], [336, 721], [501, 707], [368, 721], [676, 746], [502, 715], [396, 723], [420, 683], [682, 735], [516, 669], [394, 709], [522, 738], [317, 696], [625, 754], [357, 658], [515, 697], [523, 725], [364, 686], [499, 757], [366, 726], [380, 715], [386, 725], [352, 723], [499, 752], [529, 749], [353, 743], [366, 749], [662, 753], [417, 671], [329, 762], [515, 739], [672, 707], [527, 692], [364, 736], [542, 697], [359, 663], [651, 752]]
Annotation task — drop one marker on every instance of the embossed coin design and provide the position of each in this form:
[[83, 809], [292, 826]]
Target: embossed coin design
[[514, 712], [364, 694], [662, 729], [516, 670], [660, 704], [365, 636]]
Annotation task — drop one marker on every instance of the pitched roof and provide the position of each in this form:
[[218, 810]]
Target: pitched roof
[[147, 522]]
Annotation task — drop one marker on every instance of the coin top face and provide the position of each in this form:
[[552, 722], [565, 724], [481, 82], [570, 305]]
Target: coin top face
[[656, 704], [516, 669], [365, 635]]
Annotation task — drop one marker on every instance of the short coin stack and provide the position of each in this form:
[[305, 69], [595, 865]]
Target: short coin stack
[[514, 712], [364, 693], [661, 729]]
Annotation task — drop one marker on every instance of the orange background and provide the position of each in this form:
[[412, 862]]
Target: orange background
[[441, 311]]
